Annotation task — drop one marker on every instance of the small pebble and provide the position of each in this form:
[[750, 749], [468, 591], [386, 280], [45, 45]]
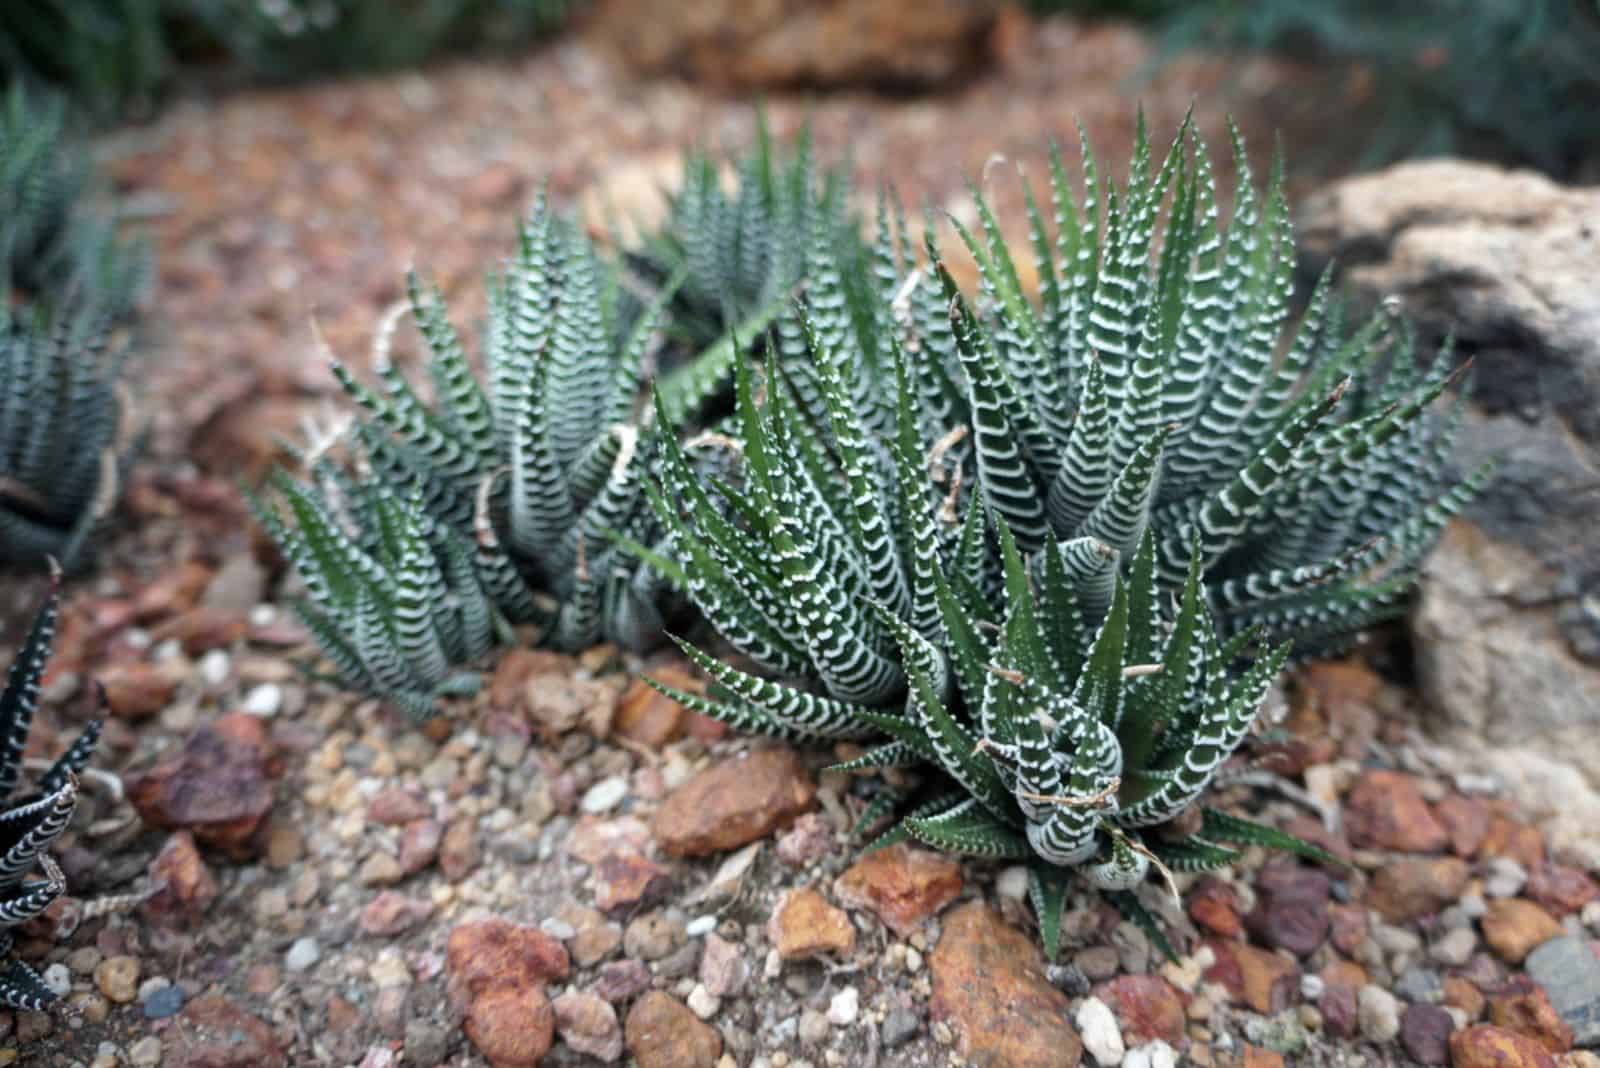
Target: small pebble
[[303, 954], [700, 925], [702, 1002], [1102, 1037], [1156, 1054], [263, 700], [899, 1027], [163, 1002], [1377, 1013], [842, 1010], [604, 795], [145, 1053], [1505, 878], [1455, 948], [214, 668], [118, 979], [814, 1028], [58, 977]]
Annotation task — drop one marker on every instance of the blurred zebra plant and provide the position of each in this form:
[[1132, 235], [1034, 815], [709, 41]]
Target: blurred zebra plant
[[64, 449], [55, 250], [1059, 553], [498, 503]]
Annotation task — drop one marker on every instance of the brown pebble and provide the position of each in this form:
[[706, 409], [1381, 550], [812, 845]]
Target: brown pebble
[[734, 802], [1513, 927], [805, 925]]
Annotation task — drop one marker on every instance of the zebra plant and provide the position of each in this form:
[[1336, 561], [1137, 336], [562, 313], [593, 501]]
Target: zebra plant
[[63, 453], [1147, 392], [1074, 720], [54, 249], [31, 823], [891, 536], [743, 253], [499, 503]]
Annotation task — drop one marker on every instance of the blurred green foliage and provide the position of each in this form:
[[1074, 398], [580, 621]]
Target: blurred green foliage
[[115, 56], [1514, 79]]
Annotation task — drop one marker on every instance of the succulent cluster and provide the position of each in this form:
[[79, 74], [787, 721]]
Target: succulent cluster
[[1050, 553], [1057, 553], [499, 503], [29, 824]]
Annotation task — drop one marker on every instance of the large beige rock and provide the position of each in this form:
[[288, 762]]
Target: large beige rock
[[785, 43], [1508, 623]]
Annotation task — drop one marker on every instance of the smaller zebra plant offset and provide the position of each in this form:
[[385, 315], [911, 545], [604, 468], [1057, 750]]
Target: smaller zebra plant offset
[[63, 449], [495, 504], [55, 248], [30, 824], [743, 254]]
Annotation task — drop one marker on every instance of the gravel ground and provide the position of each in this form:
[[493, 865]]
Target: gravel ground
[[569, 861]]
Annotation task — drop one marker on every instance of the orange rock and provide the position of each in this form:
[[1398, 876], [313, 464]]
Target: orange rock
[[175, 591], [989, 985], [1260, 979], [511, 1026], [508, 687], [495, 952], [662, 1033], [792, 43], [1513, 927], [1465, 820], [187, 885], [1147, 1006], [804, 925], [1410, 887], [1257, 1057], [734, 802], [1461, 994], [904, 886], [1530, 1013], [218, 1032], [1559, 888], [1344, 973], [1510, 838], [649, 717], [216, 786], [1385, 810], [136, 691], [1214, 906], [1486, 1046]]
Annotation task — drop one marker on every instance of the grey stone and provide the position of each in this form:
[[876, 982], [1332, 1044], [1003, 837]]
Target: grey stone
[[1569, 971], [899, 1027], [1420, 986], [1508, 623]]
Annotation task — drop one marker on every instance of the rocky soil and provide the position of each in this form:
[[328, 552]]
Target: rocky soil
[[569, 869]]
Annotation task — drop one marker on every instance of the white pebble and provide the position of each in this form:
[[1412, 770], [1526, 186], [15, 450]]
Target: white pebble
[[1505, 878], [1311, 987], [303, 954], [263, 615], [214, 668], [58, 977], [702, 1002], [843, 1008], [1013, 883], [1455, 947], [1156, 1054], [1591, 916], [264, 700], [1101, 1036], [145, 1053], [560, 930], [604, 795], [1378, 1013], [700, 925]]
